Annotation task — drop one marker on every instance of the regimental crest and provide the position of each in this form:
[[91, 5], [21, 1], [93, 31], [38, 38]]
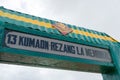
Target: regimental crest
[[62, 28]]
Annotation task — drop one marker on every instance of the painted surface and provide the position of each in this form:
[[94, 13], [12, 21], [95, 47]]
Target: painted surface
[[43, 24]]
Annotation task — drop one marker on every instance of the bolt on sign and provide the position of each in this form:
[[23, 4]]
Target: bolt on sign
[[35, 41]]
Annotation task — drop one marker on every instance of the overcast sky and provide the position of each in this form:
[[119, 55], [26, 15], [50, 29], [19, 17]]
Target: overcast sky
[[100, 15]]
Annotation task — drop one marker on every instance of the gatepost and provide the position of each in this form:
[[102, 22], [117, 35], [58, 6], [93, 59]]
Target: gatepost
[[115, 53], [34, 41]]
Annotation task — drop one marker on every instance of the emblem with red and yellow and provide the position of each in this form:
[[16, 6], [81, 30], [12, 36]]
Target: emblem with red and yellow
[[64, 29]]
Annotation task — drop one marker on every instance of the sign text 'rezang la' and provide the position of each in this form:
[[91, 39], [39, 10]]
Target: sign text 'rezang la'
[[29, 42]]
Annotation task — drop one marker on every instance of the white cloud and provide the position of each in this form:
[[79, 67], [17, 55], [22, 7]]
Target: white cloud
[[15, 72]]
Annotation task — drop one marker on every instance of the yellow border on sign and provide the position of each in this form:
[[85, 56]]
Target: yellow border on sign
[[48, 25]]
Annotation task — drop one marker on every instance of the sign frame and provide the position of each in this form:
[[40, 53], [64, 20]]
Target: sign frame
[[15, 39], [53, 36]]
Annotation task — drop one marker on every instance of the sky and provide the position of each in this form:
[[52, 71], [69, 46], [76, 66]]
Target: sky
[[100, 15]]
